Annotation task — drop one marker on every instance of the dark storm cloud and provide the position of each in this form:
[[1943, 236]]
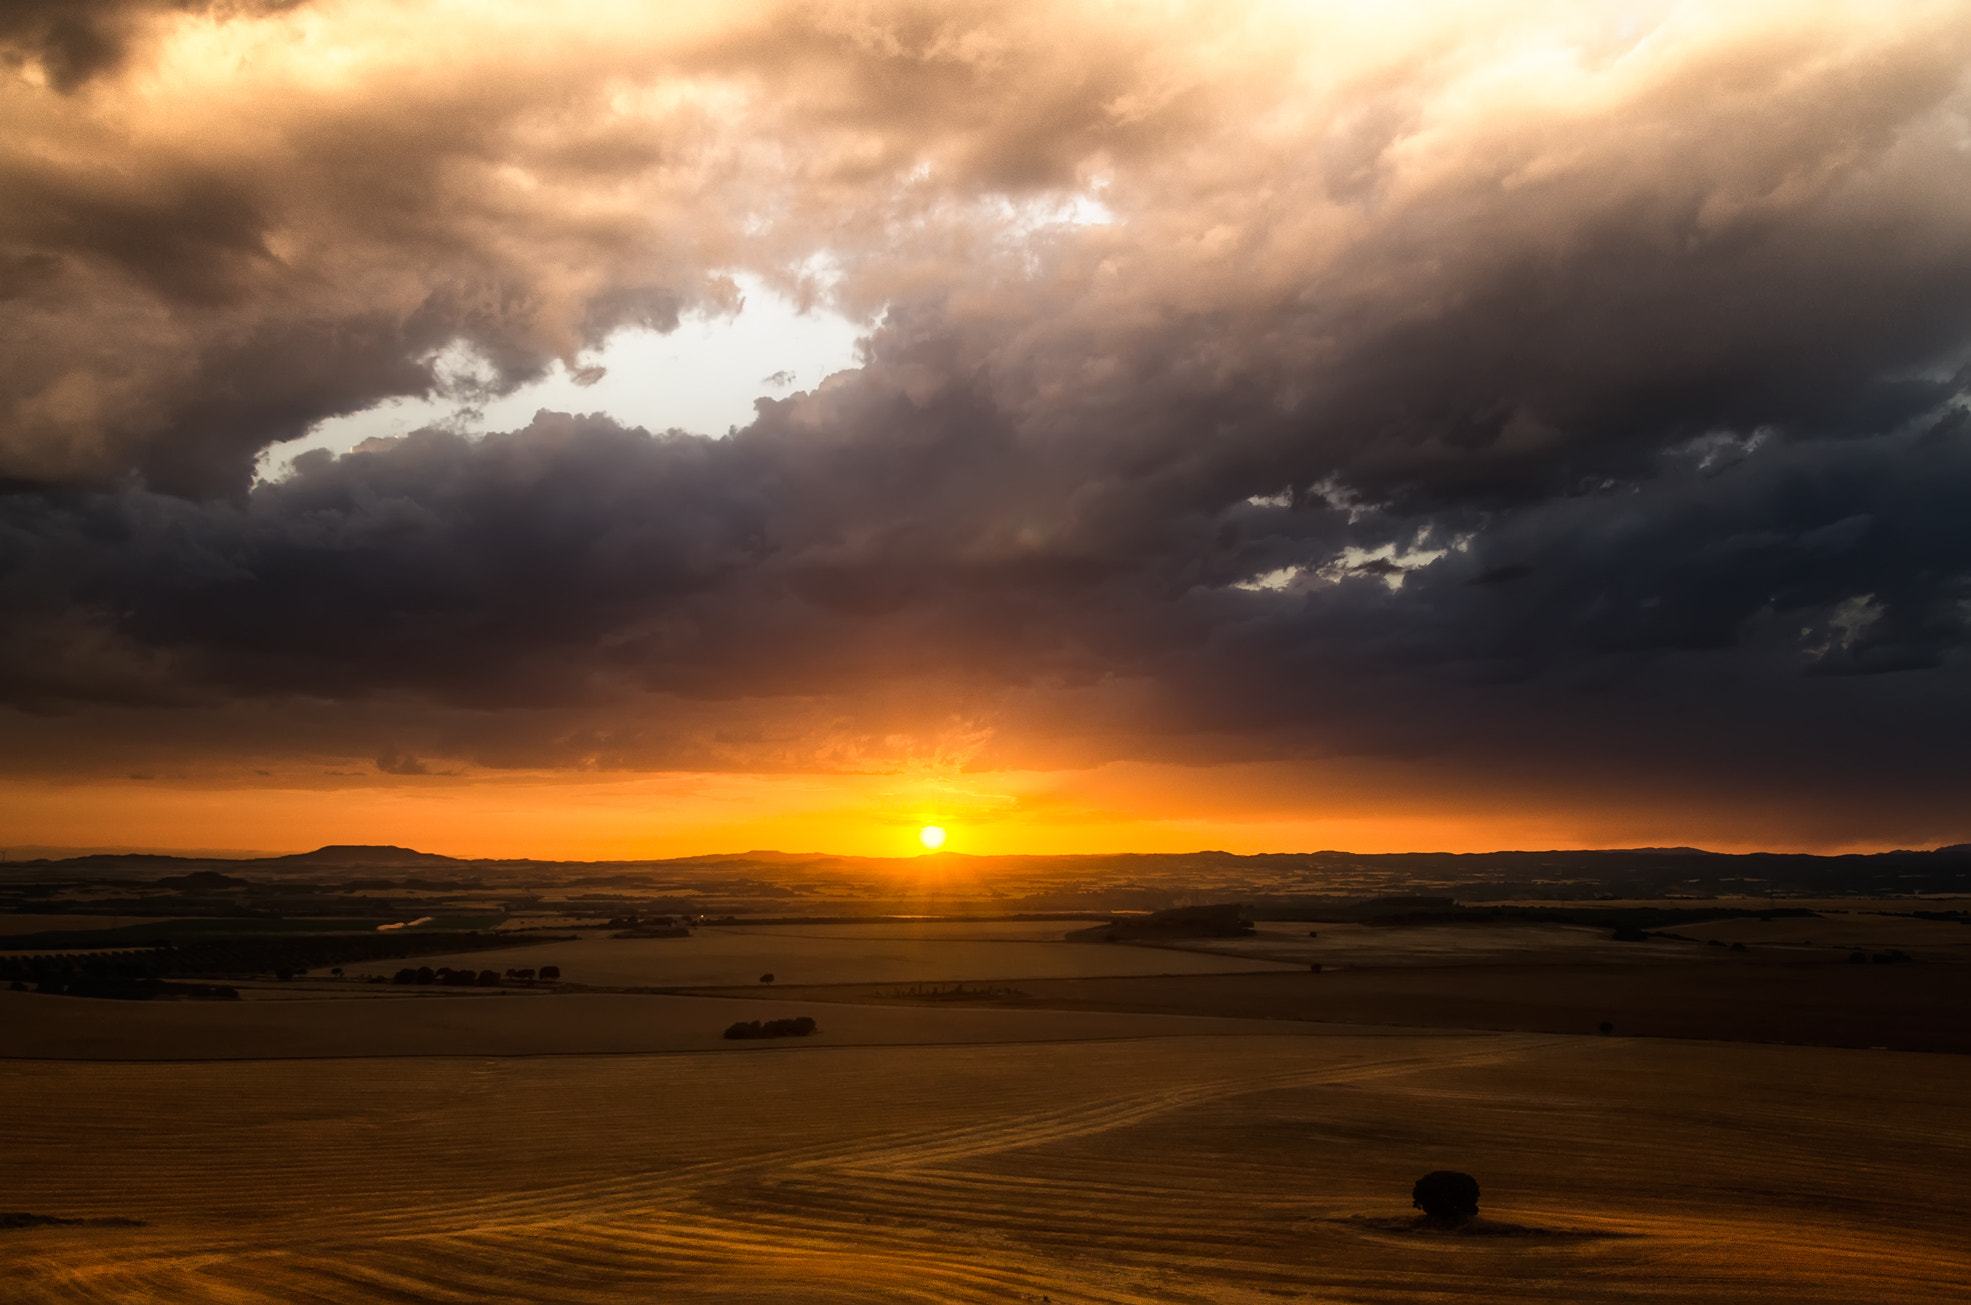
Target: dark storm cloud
[[1430, 412], [576, 571], [270, 215]]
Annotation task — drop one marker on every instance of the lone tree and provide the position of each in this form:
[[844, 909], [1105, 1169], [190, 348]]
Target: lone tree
[[1446, 1195]]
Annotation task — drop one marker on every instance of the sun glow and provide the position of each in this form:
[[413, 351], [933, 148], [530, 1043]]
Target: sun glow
[[931, 836]]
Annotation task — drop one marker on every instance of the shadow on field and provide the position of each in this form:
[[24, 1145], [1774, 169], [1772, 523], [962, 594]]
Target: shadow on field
[[17, 1219], [1420, 1225]]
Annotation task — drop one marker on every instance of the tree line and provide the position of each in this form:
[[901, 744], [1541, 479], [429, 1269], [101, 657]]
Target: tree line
[[799, 1027], [466, 978], [139, 973]]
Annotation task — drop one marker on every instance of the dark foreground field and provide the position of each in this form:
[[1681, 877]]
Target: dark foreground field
[[1239, 1168]]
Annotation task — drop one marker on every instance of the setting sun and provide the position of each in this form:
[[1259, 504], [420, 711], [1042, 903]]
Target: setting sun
[[931, 836]]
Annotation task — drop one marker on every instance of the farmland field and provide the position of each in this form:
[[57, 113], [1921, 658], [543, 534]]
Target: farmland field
[[1818, 937], [1195, 1168], [930, 952], [439, 1023], [1900, 1007], [989, 1113]]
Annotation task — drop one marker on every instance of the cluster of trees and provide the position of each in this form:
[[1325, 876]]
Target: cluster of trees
[[448, 976], [1446, 1196], [1894, 956], [468, 978], [959, 992], [798, 1027], [91, 973]]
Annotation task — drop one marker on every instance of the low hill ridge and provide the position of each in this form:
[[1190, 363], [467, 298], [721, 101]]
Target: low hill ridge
[[363, 854]]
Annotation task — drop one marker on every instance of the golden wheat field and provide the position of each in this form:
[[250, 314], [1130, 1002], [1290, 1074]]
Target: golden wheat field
[[1194, 1168]]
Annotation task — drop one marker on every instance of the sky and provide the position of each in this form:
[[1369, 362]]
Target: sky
[[631, 430]]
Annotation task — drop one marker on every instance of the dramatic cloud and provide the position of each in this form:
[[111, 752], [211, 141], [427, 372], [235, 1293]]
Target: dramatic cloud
[[1532, 392]]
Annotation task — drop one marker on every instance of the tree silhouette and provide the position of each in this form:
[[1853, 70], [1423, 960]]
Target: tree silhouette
[[1446, 1195]]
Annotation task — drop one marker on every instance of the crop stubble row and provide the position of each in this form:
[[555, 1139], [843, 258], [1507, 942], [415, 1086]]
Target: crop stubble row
[[1183, 1169]]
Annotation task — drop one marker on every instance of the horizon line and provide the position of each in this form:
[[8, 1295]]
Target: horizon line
[[47, 854]]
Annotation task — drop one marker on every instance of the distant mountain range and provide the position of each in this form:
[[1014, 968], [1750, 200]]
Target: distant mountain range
[[1149, 879]]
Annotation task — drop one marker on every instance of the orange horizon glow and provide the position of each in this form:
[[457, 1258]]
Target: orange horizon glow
[[1115, 809]]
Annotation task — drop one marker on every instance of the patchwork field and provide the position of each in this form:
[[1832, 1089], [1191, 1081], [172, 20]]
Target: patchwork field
[[924, 952], [1900, 1007], [1224, 1169], [1830, 935]]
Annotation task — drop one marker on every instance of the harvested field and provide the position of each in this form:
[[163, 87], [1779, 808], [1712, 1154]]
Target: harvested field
[[470, 1024], [1917, 1007], [1869, 930], [1190, 1169], [930, 952], [1082, 1123], [1480, 942], [1477, 943]]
